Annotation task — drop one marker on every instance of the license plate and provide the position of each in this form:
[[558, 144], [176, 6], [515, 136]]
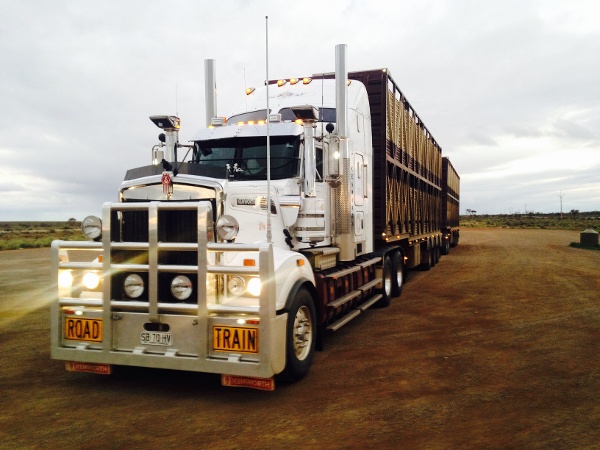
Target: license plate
[[235, 339], [80, 329], [156, 338]]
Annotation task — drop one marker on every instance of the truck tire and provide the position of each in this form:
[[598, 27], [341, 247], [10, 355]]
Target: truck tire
[[398, 269], [387, 284], [300, 336]]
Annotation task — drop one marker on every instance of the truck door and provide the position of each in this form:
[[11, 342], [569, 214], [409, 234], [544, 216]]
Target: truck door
[[359, 196]]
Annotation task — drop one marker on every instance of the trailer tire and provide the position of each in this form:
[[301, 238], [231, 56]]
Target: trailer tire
[[300, 336], [428, 264], [446, 245], [387, 283], [398, 269]]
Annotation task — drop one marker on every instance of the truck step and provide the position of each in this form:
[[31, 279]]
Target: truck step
[[352, 314], [353, 294], [370, 302], [370, 284], [346, 298], [343, 272], [344, 320]]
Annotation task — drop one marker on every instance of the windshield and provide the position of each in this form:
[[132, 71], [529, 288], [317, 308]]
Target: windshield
[[246, 158]]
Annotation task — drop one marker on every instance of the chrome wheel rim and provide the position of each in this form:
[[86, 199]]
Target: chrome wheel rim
[[302, 333]]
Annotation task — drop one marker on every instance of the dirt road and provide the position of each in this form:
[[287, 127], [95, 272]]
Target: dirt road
[[498, 346]]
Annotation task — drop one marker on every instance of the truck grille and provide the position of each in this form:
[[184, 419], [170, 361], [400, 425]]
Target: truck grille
[[167, 226]]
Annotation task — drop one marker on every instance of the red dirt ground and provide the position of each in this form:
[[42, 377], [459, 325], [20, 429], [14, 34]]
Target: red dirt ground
[[496, 347]]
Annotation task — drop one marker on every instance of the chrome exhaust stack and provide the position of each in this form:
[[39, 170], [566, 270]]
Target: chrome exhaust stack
[[210, 89]]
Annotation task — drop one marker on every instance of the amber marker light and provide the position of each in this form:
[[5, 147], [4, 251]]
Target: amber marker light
[[249, 262], [299, 262], [293, 81], [306, 80], [281, 82], [249, 90]]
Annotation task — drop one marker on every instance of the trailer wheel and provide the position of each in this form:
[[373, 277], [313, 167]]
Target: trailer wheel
[[387, 284], [428, 264], [398, 269], [446, 246], [300, 336]]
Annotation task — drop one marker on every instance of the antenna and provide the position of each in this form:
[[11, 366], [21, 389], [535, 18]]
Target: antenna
[[561, 195], [245, 87], [268, 135]]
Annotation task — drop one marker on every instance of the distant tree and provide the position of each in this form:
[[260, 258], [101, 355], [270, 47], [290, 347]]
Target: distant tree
[[574, 212], [471, 212], [72, 222]]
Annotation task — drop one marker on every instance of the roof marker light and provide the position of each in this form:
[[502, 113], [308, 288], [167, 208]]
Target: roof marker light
[[293, 81], [306, 80], [250, 90], [281, 82]]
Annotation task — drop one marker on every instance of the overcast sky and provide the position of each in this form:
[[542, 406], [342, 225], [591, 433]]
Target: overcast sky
[[510, 89]]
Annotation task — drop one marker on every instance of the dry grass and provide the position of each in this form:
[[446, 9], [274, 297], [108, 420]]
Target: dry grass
[[17, 235]]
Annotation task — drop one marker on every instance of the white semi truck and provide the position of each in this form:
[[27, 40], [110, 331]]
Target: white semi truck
[[236, 253]]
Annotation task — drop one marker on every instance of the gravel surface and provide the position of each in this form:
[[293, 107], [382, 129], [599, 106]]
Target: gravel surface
[[496, 347]]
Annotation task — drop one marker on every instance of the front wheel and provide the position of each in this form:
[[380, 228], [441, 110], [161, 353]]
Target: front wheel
[[300, 336]]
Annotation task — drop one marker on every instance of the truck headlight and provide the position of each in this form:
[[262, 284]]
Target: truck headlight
[[91, 227], [133, 286], [91, 280], [181, 287], [65, 279], [254, 286], [227, 227]]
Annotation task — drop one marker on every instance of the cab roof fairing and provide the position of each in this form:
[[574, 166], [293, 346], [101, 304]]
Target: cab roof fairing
[[241, 131], [319, 93]]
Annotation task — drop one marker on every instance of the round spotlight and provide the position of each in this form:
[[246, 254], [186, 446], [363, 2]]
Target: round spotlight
[[133, 286], [91, 227], [236, 286], [181, 287], [227, 227]]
